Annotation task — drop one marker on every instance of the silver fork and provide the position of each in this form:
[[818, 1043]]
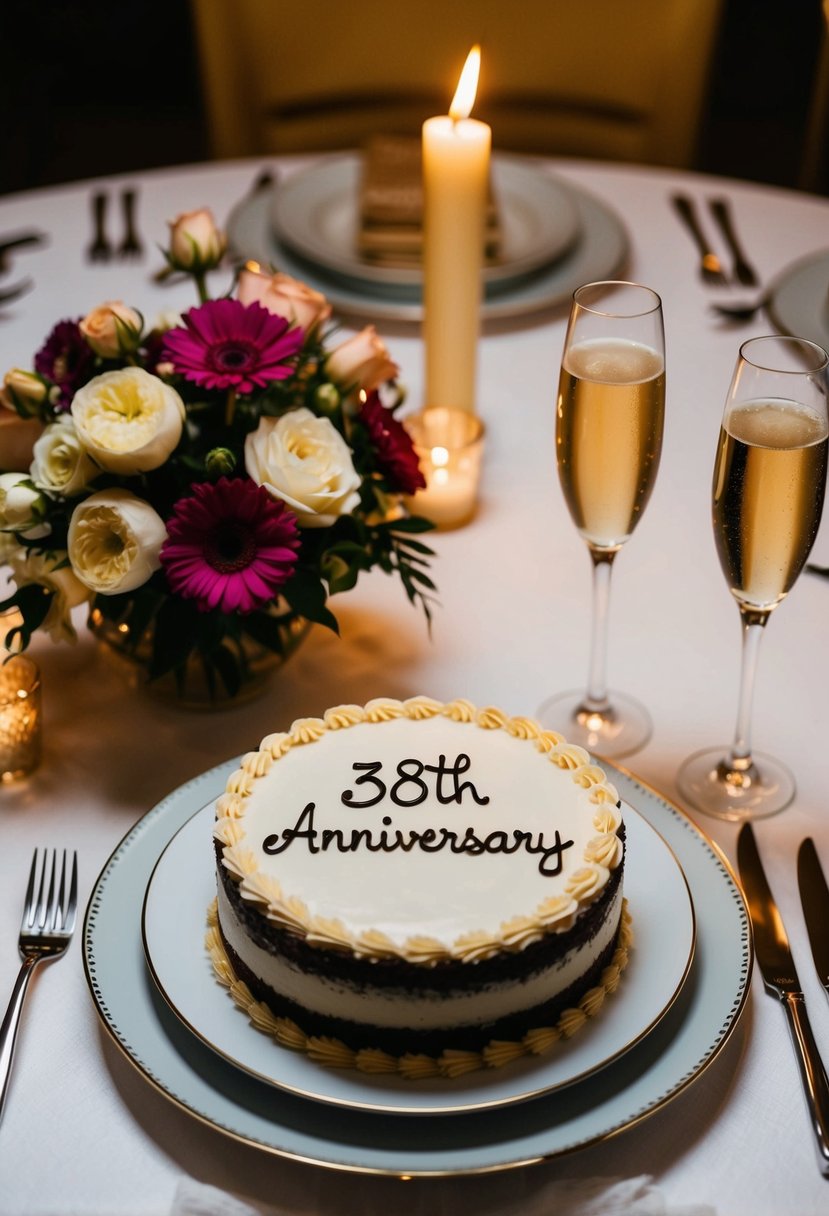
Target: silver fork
[[710, 266], [45, 932]]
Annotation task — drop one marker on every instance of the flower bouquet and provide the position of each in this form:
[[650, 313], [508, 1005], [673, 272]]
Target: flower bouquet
[[210, 481]]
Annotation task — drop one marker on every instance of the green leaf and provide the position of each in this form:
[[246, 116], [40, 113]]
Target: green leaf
[[306, 595]]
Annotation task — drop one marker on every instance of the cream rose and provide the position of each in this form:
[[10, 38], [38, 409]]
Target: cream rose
[[128, 420], [60, 464], [53, 572], [285, 297], [115, 539], [362, 361], [112, 329], [305, 461], [196, 243], [22, 506]]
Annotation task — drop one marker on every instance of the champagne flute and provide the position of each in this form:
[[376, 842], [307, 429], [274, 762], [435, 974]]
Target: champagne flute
[[609, 420], [769, 483]]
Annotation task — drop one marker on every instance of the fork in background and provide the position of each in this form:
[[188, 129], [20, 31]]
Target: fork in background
[[744, 272], [100, 250], [710, 267], [45, 932], [130, 246]]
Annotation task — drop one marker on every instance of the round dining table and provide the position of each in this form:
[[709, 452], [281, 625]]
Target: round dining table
[[92, 1125]]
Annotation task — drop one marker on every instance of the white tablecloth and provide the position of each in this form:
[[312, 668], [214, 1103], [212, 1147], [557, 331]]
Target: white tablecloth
[[83, 1132]]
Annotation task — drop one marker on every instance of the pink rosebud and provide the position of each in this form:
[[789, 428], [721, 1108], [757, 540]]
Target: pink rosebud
[[284, 297], [196, 243], [362, 362]]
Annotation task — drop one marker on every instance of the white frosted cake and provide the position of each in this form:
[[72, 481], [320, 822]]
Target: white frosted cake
[[419, 887]]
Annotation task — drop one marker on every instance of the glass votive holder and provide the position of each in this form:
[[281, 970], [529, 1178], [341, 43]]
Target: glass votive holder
[[20, 717], [449, 444]]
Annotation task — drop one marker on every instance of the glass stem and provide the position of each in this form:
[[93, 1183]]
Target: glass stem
[[596, 699], [753, 625]]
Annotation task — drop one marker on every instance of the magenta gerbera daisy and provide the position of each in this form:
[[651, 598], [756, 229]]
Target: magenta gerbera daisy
[[226, 344], [393, 448], [229, 546]]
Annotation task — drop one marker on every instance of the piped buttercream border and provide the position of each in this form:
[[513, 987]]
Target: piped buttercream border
[[603, 853], [333, 1053]]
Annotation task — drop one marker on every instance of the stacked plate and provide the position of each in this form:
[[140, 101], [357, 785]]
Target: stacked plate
[[677, 1004], [554, 238]]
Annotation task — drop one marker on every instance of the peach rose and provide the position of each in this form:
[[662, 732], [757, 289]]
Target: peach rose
[[112, 329], [362, 361], [284, 296]]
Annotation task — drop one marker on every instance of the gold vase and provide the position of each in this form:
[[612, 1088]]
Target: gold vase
[[192, 686]]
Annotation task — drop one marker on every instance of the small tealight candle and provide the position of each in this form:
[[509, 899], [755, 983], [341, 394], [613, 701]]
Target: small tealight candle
[[20, 717], [449, 444]]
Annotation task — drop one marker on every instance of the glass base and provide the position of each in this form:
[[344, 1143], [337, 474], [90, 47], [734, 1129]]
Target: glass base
[[622, 728], [709, 784]]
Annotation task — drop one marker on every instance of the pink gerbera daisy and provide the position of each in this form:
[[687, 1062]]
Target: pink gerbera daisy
[[225, 344], [229, 546]]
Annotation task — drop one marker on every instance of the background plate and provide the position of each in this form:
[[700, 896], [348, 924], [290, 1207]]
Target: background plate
[[799, 299], [183, 885], [198, 1081], [600, 253], [316, 212]]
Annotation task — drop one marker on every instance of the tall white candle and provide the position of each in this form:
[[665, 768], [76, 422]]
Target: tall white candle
[[456, 152]]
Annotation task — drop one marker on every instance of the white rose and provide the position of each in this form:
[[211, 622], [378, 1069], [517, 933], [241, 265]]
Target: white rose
[[60, 464], [128, 420], [22, 505], [115, 539], [196, 243], [305, 461], [113, 329], [52, 572], [362, 361]]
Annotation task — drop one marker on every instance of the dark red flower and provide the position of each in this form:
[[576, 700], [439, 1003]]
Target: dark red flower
[[67, 359], [393, 447], [229, 546]]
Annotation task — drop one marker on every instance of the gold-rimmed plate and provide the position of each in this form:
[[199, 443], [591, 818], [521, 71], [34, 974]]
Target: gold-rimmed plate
[[250, 1111], [183, 885]]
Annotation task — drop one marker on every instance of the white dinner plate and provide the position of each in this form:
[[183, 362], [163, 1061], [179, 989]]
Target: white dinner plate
[[183, 885], [199, 1082], [799, 299], [316, 213], [599, 253]]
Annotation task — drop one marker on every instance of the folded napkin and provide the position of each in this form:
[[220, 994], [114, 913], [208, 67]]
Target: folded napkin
[[391, 204], [595, 1197]]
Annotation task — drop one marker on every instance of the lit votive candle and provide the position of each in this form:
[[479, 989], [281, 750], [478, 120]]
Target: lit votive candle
[[449, 444], [20, 717]]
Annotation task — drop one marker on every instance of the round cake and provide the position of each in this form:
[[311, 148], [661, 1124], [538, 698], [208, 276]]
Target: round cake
[[419, 886]]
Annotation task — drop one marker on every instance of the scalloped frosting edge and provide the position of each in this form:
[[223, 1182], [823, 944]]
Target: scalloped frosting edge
[[415, 1066], [555, 915]]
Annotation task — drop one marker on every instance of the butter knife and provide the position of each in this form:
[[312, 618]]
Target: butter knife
[[774, 958], [814, 896]]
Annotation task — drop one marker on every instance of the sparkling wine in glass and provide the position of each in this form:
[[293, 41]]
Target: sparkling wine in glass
[[769, 483], [609, 421]]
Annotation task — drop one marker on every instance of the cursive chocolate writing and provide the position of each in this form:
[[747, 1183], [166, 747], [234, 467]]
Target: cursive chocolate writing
[[410, 789], [429, 840]]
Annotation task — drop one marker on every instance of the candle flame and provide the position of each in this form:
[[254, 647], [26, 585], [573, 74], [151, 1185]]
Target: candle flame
[[440, 456], [464, 98]]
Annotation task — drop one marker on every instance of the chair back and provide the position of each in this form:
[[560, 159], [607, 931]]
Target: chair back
[[620, 79]]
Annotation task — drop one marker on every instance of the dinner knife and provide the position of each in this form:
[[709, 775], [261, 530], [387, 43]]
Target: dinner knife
[[814, 896], [774, 958]]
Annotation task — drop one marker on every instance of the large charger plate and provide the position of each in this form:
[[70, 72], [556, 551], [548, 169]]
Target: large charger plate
[[799, 299], [183, 884], [197, 1080], [599, 253], [316, 212]]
